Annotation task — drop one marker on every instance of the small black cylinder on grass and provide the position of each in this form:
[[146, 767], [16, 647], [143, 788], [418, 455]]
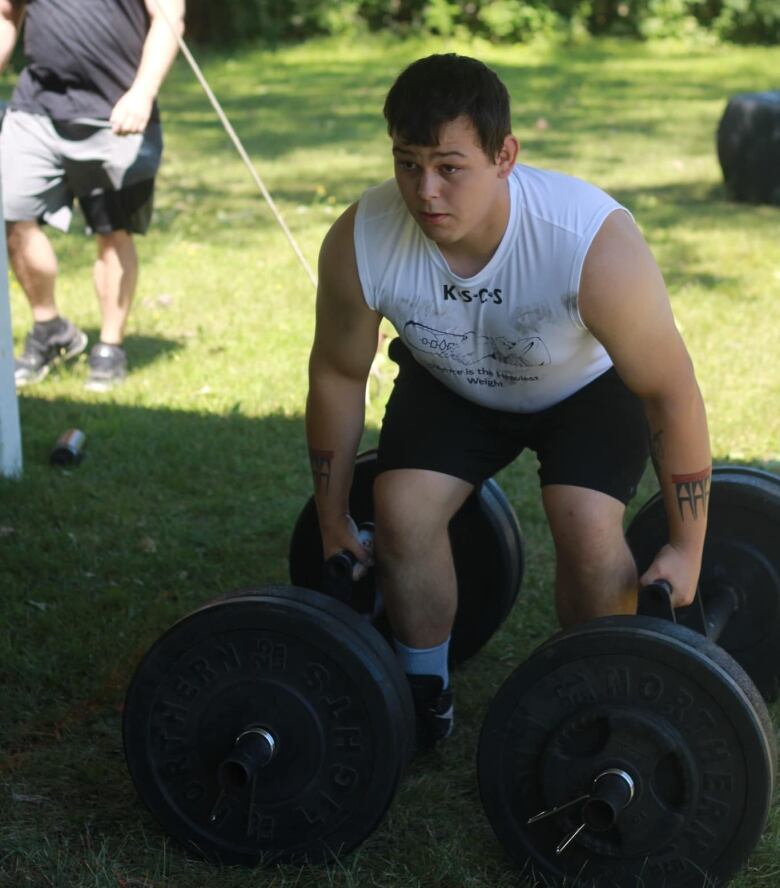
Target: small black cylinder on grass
[[69, 449]]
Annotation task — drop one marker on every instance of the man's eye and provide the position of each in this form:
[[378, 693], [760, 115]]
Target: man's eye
[[449, 170]]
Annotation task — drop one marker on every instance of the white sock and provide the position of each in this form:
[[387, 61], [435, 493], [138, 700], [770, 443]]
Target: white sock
[[425, 661]]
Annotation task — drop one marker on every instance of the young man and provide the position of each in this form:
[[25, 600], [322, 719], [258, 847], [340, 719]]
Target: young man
[[82, 122], [530, 314]]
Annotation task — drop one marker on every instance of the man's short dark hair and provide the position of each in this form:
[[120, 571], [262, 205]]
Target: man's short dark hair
[[436, 90]]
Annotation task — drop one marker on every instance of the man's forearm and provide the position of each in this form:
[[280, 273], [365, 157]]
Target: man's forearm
[[160, 47], [681, 455], [7, 42], [334, 424]]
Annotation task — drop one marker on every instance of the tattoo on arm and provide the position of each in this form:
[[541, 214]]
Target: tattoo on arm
[[693, 491], [320, 468], [657, 450]]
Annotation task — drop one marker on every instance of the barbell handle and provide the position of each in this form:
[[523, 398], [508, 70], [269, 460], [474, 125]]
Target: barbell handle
[[337, 575], [339, 569], [655, 600], [253, 750]]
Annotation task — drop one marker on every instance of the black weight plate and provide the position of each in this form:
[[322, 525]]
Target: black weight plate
[[369, 634], [650, 698], [308, 675], [487, 549], [742, 549]]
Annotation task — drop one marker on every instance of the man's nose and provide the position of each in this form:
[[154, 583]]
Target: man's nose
[[428, 185]]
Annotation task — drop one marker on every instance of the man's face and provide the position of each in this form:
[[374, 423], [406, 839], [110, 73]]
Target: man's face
[[453, 190]]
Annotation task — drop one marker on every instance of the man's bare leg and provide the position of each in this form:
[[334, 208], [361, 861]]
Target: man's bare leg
[[53, 338], [116, 275], [595, 571], [416, 576], [35, 266], [416, 573]]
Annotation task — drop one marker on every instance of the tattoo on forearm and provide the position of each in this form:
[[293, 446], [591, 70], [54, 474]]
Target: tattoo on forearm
[[693, 492], [657, 449], [320, 467]]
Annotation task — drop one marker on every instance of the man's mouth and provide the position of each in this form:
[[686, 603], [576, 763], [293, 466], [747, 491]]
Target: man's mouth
[[433, 218]]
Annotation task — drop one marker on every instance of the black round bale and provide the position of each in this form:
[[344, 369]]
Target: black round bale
[[487, 549], [748, 142]]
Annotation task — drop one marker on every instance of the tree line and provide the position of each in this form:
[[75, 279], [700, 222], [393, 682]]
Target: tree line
[[233, 21]]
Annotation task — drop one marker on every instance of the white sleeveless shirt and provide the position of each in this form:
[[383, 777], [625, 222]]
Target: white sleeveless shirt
[[511, 337]]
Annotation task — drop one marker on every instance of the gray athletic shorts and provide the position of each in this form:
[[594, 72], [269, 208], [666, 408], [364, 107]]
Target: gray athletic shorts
[[46, 163]]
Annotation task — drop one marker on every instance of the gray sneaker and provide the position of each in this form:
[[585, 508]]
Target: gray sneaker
[[107, 367], [39, 356]]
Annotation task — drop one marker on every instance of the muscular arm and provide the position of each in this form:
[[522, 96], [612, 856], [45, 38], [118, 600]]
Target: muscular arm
[[11, 15], [131, 113], [344, 345], [623, 301]]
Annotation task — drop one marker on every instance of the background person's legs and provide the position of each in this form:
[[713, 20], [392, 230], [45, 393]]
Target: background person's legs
[[52, 338], [35, 266], [35, 188], [595, 573], [115, 274]]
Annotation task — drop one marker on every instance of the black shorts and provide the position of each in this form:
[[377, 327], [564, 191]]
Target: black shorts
[[597, 438]]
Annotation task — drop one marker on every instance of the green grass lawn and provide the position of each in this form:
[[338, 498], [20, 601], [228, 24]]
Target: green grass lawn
[[196, 468]]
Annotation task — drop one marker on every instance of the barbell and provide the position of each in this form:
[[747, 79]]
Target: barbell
[[274, 724]]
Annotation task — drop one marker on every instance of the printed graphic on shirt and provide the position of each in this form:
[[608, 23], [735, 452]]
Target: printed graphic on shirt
[[470, 348], [478, 356]]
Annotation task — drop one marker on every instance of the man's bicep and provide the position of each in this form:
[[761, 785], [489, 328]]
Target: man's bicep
[[347, 329]]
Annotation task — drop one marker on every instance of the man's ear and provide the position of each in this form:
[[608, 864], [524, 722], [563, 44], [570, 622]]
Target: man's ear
[[507, 156]]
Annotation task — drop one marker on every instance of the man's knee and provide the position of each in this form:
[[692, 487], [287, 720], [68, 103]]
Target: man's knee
[[405, 527], [583, 522], [17, 235], [413, 509], [114, 241], [595, 571]]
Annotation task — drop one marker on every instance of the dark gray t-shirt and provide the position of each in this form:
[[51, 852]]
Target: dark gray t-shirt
[[82, 55]]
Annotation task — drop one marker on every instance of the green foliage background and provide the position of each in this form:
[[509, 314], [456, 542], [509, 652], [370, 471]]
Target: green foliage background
[[740, 21]]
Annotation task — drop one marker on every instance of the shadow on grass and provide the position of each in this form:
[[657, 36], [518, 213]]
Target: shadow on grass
[[167, 510]]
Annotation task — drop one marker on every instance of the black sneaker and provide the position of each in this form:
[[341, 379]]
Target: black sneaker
[[433, 705], [107, 367], [40, 355]]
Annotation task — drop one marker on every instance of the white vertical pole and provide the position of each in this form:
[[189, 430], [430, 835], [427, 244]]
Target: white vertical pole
[[10, 432]]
